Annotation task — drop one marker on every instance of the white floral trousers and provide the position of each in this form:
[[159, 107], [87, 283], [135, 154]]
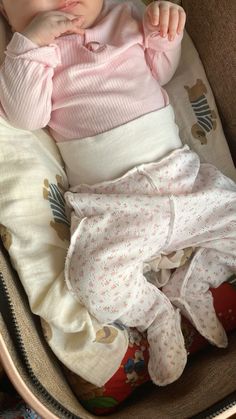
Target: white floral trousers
[[155, 209]]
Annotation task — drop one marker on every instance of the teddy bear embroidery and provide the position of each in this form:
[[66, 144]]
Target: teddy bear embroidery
[[206, 117], [54, 194], [6, 237]]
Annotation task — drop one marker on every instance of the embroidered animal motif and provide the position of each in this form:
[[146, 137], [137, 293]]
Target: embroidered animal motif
[[206, 117], [134, 368], [106, 334], [6, 237], [54, 194]]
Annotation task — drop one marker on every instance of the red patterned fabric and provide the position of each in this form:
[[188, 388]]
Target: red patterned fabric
[[133, 369]]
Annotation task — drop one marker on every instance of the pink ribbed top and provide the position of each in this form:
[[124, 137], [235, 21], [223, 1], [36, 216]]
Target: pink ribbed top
[[84, 85]]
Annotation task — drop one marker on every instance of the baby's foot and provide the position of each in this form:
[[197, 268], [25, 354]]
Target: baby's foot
[[168, 355], [188, 289], [201, 313]]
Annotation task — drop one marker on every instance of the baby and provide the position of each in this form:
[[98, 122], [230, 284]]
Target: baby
[[93, 71]]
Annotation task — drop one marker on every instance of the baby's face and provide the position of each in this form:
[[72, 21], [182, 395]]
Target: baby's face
[[21, 12]]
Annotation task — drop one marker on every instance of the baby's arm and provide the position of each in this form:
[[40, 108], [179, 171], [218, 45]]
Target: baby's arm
[[26, 75], [26, 83], [163, 24]]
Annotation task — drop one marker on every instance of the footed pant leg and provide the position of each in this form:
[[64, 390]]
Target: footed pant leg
[[114, 234], [208, 223], [104, 268]]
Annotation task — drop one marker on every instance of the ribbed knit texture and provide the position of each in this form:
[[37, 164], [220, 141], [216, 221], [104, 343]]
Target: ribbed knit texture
[[84, 85]]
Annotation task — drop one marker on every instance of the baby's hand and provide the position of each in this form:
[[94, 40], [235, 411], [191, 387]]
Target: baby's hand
[[168, 17], [47, 26]]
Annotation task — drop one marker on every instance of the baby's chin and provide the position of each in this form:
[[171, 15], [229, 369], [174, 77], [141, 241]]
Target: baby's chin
[[88, 21]]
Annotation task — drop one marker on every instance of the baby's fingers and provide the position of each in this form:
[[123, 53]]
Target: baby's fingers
[[182, 20], [173, 23], [153, 13], [74, 25], [164, 19], [78, 22]]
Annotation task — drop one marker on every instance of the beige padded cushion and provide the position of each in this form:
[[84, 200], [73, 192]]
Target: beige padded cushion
[[211, 25]]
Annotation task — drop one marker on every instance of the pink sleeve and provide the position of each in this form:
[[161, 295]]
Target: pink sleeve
[[26, 83], [162, 55]]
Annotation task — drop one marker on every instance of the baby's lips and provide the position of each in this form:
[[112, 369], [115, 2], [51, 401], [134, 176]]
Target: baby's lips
[[69, 5]]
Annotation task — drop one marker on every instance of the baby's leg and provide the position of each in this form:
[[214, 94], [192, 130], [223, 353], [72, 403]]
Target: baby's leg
[[117, 233], [105, 270], [208, 223]]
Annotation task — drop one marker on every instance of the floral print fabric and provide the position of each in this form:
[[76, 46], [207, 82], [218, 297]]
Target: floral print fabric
[[119, 226]]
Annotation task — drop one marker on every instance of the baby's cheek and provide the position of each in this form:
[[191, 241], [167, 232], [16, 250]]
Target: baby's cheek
[[90, 10], [88, 21]]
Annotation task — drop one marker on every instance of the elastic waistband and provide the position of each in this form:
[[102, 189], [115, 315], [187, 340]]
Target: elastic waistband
[[110, 154]]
